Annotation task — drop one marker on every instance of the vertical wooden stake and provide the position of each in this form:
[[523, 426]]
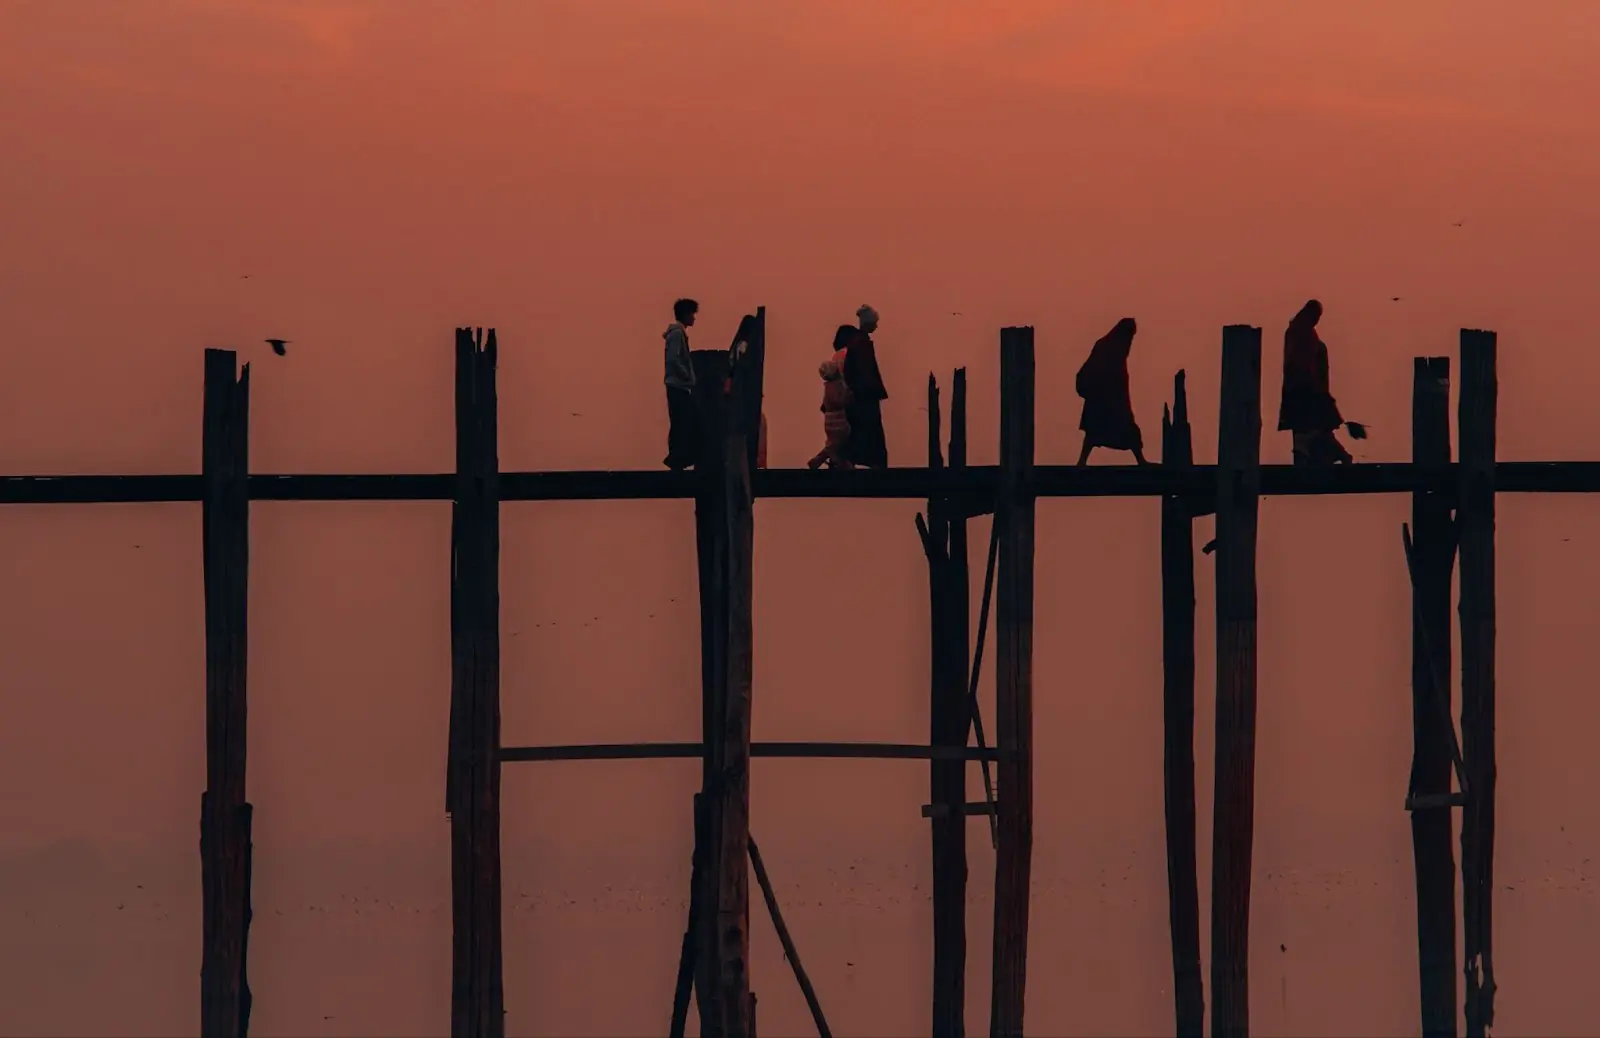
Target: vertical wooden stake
[[1238, 494], [1431, 829], [947, 727], [1177, 629], [225, 813], [711, 542], [1476, 421], [732, 789], [1014, 683], [477, 993]]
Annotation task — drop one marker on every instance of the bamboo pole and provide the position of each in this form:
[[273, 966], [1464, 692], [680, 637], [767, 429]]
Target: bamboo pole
[[1238, 487], [1177, 624], [225, 813]]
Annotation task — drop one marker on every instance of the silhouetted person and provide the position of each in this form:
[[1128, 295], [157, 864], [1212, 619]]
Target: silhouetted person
[[683, 420], [835, 417], [1107, 406], [867, 445], [1307, 408], [736, 351]]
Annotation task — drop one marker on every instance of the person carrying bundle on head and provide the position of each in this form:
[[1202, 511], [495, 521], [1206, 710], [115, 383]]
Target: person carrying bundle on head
[[867, 444]]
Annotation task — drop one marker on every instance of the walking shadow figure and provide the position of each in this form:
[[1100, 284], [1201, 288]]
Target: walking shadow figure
[[1307, 409], [1107, 419]]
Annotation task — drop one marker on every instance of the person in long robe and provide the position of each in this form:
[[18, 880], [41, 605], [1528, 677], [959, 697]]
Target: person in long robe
[[867, 444], [1307, 409], [1107, 419]]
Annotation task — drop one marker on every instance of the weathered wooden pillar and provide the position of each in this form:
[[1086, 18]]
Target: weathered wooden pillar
[[725, 523], [1014, 510], [1177, 656], [944, 534], [473, 789], [1475, 507], [225, 813], [1238, 495], [1433, 565], [711, 543]]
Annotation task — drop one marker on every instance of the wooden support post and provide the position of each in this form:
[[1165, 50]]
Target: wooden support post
[[1431, 756], [687, 956], [711, 542], [729, 739], [1014, 683], [947, 727], [225, 813], [1177, 656], [1476, 421], [477, 993], [790, 952], [1238, 494]]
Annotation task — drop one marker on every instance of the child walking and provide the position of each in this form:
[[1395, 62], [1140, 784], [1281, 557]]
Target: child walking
[[835, 422]]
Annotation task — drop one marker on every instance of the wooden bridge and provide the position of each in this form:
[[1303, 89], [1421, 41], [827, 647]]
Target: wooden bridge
[[1453, 517]]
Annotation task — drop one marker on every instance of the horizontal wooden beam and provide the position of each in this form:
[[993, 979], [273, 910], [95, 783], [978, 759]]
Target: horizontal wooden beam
[[978, 482], [693, 750], [978, 808]]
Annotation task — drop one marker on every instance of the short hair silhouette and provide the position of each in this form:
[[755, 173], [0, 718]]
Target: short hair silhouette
[[684, 309]]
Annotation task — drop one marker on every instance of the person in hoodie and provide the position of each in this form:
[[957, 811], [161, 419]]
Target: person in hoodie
[[1107, 406], [1307, 408], [683, 419], [866, 445]]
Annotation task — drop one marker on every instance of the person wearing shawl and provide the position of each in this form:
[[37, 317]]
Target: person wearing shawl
[[1307, 408], [1107, 406], [867, 444]]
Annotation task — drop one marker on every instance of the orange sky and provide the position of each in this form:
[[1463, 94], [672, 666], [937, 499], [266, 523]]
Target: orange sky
[[387, 170]]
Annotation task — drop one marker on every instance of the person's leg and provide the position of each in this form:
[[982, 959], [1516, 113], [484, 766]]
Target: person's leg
[[1083, 453], [1302, 448], [681, 429], [1138, 456]]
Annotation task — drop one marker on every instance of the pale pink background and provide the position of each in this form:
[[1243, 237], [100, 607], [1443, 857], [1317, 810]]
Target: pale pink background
[[385, 171]]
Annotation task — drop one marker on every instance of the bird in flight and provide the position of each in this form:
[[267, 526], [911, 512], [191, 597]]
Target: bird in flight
[[278, 346]]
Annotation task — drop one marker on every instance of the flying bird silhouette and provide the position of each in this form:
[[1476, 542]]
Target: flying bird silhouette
[[278, 346]]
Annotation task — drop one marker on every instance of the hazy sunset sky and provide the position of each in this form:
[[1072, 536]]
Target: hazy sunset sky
[[385, 171]]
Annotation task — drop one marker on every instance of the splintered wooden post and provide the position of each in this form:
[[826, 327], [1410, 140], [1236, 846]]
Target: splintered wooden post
[[477, 993], [733, 733], [1431, 829], [711, 543], [225, 814], [1177, 656], [1475, 527], [1238, 494], [1014, 684]]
